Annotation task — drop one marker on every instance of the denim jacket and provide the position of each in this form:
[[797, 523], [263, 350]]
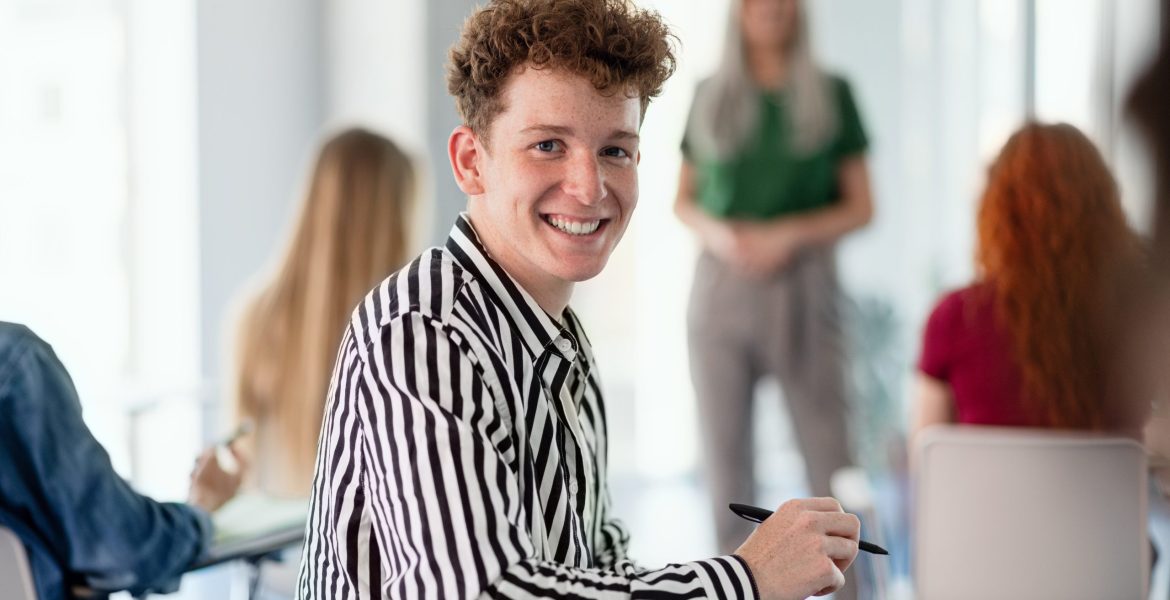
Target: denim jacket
[[80, 522]]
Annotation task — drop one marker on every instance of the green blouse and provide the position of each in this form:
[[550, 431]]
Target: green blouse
[[768, 178]]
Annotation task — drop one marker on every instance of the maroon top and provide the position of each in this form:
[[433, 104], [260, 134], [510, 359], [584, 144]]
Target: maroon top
[[966, 347]]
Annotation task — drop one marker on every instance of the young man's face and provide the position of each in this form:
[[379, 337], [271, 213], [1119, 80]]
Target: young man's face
[[558, 176]]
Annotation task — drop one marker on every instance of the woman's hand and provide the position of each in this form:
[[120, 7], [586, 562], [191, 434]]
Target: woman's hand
[[752, 248], [723, 240], [767, 248], [211, 484]]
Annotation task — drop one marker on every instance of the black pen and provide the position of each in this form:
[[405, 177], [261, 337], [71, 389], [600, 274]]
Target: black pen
[[756, 514]]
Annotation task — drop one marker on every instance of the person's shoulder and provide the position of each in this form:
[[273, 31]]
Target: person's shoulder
[[958, 305], [15, 334], [838, 83], [426, 287], [22, 350], [957, 298], [704, 86], [942, 329], [15, 340]]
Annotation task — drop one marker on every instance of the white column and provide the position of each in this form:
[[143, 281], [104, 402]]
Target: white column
[[260, 88]]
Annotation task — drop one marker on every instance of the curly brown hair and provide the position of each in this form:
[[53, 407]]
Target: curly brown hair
[[1058, 254], [618, 47]]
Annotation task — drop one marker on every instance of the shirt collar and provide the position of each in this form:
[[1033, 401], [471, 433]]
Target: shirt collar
[[540, 332]]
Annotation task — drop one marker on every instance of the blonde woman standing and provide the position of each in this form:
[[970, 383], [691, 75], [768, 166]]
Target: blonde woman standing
[[774, 173], [352, 232]]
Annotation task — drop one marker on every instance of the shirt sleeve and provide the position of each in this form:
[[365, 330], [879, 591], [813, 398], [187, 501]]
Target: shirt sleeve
[[105, 535], [937, 339], [852, 138], [687, 144], [613, 541], [419, 497]]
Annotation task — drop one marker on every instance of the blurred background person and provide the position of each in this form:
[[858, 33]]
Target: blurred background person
[[774, 173], [1147, 104], [353, 230], [83, 527], [1150, 326], [1030, 343]]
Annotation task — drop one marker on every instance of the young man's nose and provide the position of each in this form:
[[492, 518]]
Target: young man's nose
[[585, 180]]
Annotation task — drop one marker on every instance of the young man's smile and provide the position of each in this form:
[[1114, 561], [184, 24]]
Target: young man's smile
[[574, 226], [554, 182]]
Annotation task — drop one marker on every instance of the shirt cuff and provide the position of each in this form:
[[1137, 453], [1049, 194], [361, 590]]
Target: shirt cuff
[[727, 577], [206, 531]]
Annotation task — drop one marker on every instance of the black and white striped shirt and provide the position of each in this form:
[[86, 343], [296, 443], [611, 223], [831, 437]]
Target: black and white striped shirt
[[463, 452]]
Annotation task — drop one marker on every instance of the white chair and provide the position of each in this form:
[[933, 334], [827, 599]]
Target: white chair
[[15, 576], [1022, 513]]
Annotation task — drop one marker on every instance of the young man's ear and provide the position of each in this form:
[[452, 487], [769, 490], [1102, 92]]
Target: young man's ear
[[464, 153]]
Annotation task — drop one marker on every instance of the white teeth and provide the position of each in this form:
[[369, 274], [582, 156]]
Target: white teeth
[[574, 227]]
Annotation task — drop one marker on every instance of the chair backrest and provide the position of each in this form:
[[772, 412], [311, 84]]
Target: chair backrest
[[1021, 513], [15, 577]]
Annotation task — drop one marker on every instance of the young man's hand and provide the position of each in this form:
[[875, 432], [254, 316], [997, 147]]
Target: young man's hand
[[802, 550], [212, 485]]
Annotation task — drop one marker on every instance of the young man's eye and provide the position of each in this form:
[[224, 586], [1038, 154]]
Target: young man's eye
[[616, 152], [547, 146]]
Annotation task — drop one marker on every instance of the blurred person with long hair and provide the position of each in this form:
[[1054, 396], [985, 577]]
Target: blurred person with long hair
[[774, 174], [1032, 342], [352, 232], [1149, 348], [1147, 103]]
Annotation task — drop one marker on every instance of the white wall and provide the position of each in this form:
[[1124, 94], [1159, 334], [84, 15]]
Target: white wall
[[373, 70], [260, 88], [444, 19], [164, 209]]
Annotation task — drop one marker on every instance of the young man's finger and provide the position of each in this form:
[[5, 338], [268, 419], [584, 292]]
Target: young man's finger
[[840, 550], [845, 525], [818, 504], [843, 564], [832, 583]]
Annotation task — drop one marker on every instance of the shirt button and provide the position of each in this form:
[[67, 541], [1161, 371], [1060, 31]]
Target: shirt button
[[564, 345], [573, 486]]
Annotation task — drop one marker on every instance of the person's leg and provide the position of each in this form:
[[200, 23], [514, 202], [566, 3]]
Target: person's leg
[[723, 379], [805, 349]]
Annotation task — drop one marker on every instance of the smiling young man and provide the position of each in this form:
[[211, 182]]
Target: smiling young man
[[463, 451]]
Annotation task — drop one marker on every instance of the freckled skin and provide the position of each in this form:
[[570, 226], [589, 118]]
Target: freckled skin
[[559, 149]]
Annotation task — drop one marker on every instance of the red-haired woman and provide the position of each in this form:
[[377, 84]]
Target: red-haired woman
[[1031, 342]]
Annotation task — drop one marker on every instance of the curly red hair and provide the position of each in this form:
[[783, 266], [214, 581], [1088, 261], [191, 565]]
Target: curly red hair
[[615, 45], [1055, 248]]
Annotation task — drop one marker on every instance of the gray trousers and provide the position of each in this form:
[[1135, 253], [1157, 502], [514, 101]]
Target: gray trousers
[[742, 329]]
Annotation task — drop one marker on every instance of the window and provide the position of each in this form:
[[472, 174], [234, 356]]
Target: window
[[97, 199], [64, 187]]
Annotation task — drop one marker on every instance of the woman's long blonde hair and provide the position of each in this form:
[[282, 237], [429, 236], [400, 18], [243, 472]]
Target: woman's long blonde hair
[[351, 233], [726, 109]]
